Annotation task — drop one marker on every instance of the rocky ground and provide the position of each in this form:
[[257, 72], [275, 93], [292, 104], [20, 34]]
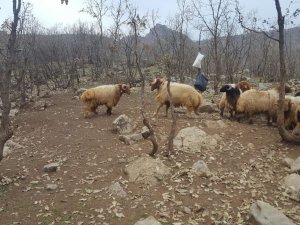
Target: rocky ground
[[61, 168]]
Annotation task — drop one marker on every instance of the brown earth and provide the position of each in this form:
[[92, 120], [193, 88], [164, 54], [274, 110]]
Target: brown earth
[[92, 158]]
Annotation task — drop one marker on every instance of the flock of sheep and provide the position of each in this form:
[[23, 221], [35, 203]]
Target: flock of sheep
[[239, 99]]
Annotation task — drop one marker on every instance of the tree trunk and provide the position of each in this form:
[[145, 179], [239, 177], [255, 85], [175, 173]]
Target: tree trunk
[[6, 131], [286, 136]]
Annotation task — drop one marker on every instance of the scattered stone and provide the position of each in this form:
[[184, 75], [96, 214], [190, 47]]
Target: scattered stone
[[145, 132], [148, 221], [52, 167], [123, 125], [215, 124], [14, 145], [80, 91], [193, 139], [75, 98], [265, 86], [51, 187], [200, 168], [295, 167], [287, 162], [6, 151], [250, 146], [116, 189], [292, 180], [262, 213], [41, 105], [146, 170], [13, 112], [131, 138], [208, 108], [186, 210]]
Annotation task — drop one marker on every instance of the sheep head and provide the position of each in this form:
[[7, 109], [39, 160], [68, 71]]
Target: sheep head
[[156, 83], [244, 86], [226, 88], [124, 88]]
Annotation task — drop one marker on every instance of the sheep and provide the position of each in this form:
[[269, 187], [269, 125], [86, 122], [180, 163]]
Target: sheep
[[182, 95], [254, 102], [108, 95], [291, 106], [232, 93]]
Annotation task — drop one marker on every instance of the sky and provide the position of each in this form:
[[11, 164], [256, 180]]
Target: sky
[[52, 12]]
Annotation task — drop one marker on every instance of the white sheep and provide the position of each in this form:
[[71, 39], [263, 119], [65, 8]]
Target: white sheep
[[108, 95], [182, 95], [232, 93], [254, 102]]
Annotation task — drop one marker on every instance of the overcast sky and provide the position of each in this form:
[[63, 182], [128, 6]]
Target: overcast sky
[[51, 12]]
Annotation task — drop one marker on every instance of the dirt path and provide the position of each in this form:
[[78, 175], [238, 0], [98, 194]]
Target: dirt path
[[92, 158]]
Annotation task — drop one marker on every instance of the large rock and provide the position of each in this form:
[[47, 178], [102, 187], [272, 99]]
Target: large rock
[[292, 183], [146, 170], [292, 180], [9, 147], [193, 139], [148, 221], [295, 167], [262, 213], [123, 125]]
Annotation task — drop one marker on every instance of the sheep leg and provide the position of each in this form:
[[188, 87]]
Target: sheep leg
[[222, 113], [108, 111], [167, 107], [269, 121], [157, 109], [94, 109], [249, 116], [196, 111], [190, 110]]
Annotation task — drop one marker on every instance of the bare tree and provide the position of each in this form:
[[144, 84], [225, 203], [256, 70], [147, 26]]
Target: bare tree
[[6, 131], [213, 21], [138, 23], [285, 135]]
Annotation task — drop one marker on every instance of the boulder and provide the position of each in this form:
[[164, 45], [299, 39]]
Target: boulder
[[262, 213], [123, 125], [193, 139], [146, 170], [295, 167]]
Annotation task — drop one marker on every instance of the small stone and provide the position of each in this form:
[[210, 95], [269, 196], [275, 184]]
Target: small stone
[[148, 221], [287, 162], [250, 146], [52, 167], [51, 187]]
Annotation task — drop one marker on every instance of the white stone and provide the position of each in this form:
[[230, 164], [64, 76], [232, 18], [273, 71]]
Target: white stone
[[148, 221], [193, 139], [295, 167], [146, 170], [262, 213], [123, 125]]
